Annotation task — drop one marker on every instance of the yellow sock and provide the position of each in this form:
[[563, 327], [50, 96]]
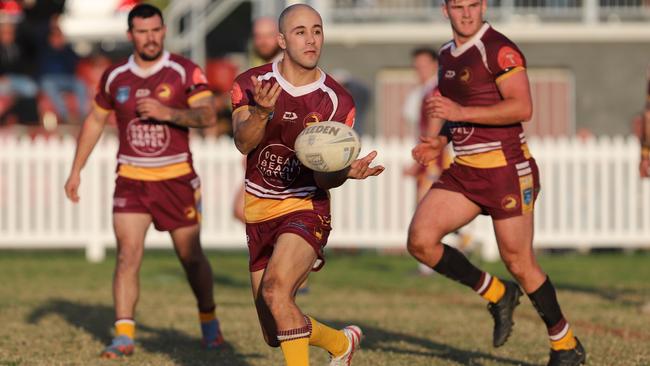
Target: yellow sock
[[296, 352], [494, 289], [567, 342], [125, 327], [332, 340]]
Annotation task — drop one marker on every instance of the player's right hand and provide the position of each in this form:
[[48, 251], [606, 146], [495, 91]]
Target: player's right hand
[[428, 149], [265, 95], [72, 187]]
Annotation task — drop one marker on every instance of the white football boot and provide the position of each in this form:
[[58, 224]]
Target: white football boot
[[354, 335]]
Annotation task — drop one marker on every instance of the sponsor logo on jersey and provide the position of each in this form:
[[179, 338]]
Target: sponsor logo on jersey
[[147, 138], [509, 202], [450, 74], [164, 91], [119, 202], [122, 94], [313, 117], [142, 93], [461, 132], [278, 165], [465, 75], [289, 116]]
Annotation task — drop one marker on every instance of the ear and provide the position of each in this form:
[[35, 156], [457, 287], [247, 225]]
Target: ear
[[282, 42], [483, 7], [444, 9], [129, 35]]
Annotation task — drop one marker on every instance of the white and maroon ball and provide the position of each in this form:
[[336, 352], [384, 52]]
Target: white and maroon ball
[[327, 146]]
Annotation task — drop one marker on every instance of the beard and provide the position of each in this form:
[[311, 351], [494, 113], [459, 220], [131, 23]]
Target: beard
[[148, 57]]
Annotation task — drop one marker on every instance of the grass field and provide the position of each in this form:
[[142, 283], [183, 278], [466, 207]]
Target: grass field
[[55, 309]]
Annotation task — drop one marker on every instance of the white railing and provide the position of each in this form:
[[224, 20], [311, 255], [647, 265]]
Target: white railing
[[591, 197]]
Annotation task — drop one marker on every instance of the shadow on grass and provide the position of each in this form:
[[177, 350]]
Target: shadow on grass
[[178, 346], [379, 339], [621, 296]]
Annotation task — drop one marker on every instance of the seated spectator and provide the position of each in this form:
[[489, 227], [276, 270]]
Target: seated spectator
[[57, 65], [17, 87]]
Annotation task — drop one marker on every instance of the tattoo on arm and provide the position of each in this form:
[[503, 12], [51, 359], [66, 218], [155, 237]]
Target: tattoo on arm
[[193, 117]]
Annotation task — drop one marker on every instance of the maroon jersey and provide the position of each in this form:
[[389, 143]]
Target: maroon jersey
[[469, 76], [276, 182], [149, 149]]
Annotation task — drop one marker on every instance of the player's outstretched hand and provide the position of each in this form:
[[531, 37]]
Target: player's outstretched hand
[[72, 187], [150, 108], [361, 169], [444, 108], [428, 149], [265, 95]]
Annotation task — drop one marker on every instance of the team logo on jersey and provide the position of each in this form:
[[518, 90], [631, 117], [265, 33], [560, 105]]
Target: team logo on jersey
[[164, 91], [142, 93], [313, 117], [122, 94], [278, 166], [509, 58], [289, 116], [450, 74], [147, 138], [509, 202], [465, 75]]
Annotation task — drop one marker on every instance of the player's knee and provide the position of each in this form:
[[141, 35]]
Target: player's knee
[[419, 243], [129, 258], [517, 265], [191, 258], [272, 293]]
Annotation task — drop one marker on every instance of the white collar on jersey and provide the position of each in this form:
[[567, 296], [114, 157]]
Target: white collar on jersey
[[470, 43], [297, 91], [145, 73]]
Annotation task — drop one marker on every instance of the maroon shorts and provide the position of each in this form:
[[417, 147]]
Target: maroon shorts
[[172, 203], [500, 192], [309, 225]]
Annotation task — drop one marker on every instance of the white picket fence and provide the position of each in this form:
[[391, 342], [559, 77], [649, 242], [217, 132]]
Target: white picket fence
[[591, 197]]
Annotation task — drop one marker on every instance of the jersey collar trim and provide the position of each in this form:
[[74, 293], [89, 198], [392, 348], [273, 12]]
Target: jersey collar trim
[[297, 91], [471, 43], [145, 73]]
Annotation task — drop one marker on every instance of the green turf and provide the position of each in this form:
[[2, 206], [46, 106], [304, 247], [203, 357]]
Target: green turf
[[55, 309]]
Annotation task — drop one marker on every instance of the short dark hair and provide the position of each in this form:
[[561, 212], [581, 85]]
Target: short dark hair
[[144, 11], [425, 51]]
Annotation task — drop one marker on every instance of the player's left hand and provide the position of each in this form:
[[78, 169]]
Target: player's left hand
[[150, 108], [361, 169], [444, 108]]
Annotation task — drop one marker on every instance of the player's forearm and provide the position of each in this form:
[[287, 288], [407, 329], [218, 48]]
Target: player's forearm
[[249, 132], [90, 133], [197, 117], [331, 180], [506, 112]]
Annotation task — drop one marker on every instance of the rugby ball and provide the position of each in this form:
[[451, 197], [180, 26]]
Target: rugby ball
[[327, 146]]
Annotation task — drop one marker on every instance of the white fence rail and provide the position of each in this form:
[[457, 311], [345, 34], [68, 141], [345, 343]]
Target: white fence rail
[[591, 197]]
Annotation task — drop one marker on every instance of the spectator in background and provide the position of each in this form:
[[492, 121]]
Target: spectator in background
[[16, 70], [57, 66], [424, 61], [265, 41], [360, 94]]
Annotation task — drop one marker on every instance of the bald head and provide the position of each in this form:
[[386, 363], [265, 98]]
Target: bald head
[[265, 38], [295, 11]]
